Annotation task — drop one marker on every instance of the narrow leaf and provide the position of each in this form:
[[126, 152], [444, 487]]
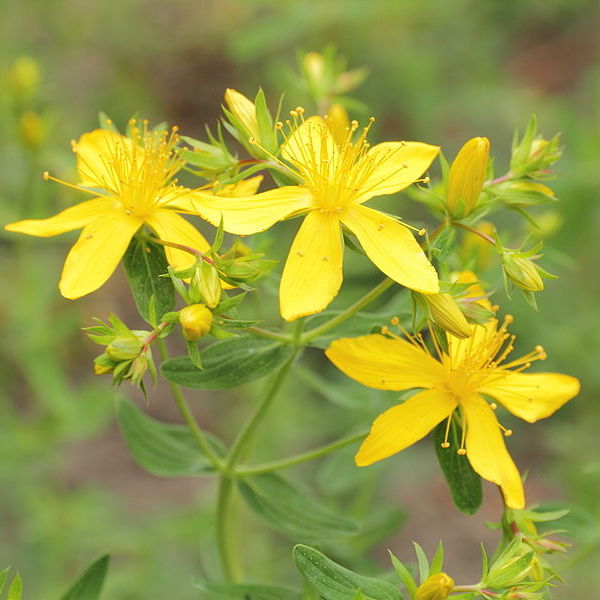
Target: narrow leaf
[[163, 449], [144, 265], [89, 585], [464, 483], [225, 591], [229, 363], [335, 582], [288, 510]]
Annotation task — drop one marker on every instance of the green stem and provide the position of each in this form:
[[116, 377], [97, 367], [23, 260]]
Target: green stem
[[349, 312], [225, 523], [267, 467], [188, 416]]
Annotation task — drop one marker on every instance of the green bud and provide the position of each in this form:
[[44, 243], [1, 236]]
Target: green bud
[[446, 313], [522, 272], [503, 574], [196, 321], [435, 587], [207, 284], [124, 348]]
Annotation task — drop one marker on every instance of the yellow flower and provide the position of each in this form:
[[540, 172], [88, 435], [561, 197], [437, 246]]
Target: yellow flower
[[435, 587], [336, 181], [467, 175], [454, 382], [132, 181]]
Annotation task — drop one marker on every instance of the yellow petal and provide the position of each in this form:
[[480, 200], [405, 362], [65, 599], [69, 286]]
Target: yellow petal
[[96, 152], [392, 248], [312, 274], [394, 166], [247, 187], [311, 146], [385, 364], [244, 216], [487, 452], [338, 123], [71, 218], [532, 396], [97, 252], [404, 424], [171, 227]]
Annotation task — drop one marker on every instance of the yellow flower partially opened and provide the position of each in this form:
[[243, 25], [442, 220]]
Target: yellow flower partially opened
[[132, 181], [337, 179], [454, 384]]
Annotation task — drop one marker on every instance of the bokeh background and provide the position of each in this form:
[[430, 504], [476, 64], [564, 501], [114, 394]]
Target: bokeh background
[[440, 72]]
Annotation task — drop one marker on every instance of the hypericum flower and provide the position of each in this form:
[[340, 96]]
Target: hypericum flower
[[453, 384], [467, 175], [132, 179], [336, 181]]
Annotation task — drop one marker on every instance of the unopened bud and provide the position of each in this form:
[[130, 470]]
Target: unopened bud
[[23, 77], [207, 283], [523, 273], [467, 175], [32, 129], [196, 321], [446, 313], [314, 64], [435, 587], [124, 348], [338, 122], [103, 365], [244, 110], [511, 572]]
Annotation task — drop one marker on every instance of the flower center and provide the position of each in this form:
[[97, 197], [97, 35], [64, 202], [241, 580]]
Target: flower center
[[137, 170]]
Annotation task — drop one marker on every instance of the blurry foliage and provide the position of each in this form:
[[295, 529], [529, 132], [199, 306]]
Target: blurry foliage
[[442, 71]]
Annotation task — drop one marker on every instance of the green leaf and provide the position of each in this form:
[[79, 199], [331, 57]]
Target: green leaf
[[464, 483], [422, 562], [89, 585], [15, 591], [3, 576], [335, 582], [153, 295], [290, 511], [163, 449], [229, 363], [225, 591], [405, 575]]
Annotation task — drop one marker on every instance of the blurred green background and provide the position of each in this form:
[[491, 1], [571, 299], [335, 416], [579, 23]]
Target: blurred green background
[[440, 72]]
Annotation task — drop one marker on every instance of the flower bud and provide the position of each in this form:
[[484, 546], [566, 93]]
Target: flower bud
[[508, 573], [338, 122], [522, 272], [467, 175], [445, 312], [207, 283], [244, 111], [196, 321], [32, 129], [23, 77], [124, 348], [314, 65], [435, 587]]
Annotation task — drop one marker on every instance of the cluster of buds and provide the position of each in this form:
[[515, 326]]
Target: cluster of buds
[[212, 159], [127, 355]]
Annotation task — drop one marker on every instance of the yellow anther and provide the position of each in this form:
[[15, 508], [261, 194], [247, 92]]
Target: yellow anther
[[425, 180], [461, 452], [508, 319], [46, 176], [445, 444], [493, 406], [252, 140], [279, 125], [385, 330], [395, 321], [421, 231], [293, 113]]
